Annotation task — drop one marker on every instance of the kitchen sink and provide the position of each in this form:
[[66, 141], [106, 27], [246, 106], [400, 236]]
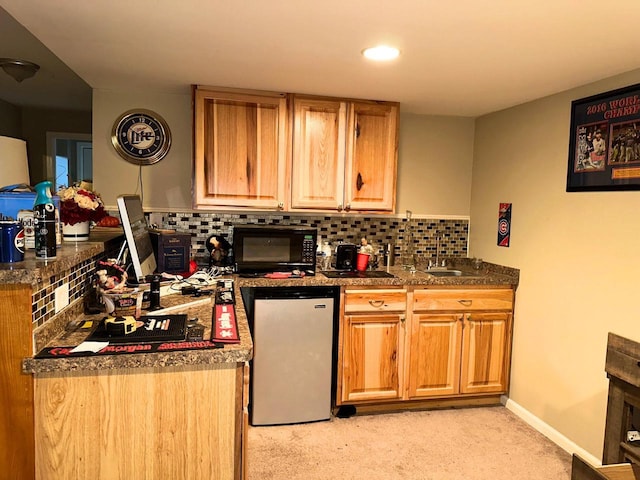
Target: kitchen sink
[[356, 274], [450, 273]]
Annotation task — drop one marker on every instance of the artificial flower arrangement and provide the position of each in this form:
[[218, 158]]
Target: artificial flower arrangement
[[78, 203]]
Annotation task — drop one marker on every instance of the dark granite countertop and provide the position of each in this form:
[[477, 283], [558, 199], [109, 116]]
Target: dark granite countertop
[[32, 271], [173, 304], [488, 275]]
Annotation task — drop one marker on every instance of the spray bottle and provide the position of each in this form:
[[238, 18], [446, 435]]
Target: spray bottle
[[44, 219]]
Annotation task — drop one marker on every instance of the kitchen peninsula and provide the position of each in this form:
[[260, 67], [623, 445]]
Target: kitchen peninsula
[[164, 415]]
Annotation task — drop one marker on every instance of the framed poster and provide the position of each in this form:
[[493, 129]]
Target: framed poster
[[604, 145]]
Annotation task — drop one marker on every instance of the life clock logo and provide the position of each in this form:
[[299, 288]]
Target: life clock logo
[[141, 137]]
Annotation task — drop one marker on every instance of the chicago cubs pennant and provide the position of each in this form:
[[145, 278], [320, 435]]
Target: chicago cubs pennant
[[504, 224]]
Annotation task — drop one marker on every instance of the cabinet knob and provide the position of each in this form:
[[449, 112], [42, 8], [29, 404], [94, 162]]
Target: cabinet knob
[[359, 182], [280, 206], [347, 207], [340, 207], [402, 318]]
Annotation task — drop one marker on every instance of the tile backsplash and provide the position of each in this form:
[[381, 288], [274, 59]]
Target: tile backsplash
[[379, 230]]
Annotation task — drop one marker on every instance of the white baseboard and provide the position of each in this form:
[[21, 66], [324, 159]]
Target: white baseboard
[[548, 431]]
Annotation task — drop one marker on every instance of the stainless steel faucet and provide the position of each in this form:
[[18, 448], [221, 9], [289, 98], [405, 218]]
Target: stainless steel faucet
[[437, 264]]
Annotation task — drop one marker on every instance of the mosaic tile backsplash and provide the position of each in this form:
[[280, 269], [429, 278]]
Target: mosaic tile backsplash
[[399, 232], [379, 231], [79, 279]]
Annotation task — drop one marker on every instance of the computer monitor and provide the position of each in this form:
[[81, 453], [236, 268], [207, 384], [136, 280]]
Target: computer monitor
[[137, 236]]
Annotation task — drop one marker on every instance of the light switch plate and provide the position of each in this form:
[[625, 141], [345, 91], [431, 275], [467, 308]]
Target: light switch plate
[[61, 295]]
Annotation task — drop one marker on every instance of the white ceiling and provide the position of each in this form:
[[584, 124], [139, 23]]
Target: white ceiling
[[54, 86], [466, 57]]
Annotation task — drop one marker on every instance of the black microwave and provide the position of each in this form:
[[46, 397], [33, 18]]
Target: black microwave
[[274, 248]]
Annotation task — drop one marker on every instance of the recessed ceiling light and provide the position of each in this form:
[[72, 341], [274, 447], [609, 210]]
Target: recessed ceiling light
[[381, 53]]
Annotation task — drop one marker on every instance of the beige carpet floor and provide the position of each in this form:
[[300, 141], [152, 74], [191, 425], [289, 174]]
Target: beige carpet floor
[[488, 443]]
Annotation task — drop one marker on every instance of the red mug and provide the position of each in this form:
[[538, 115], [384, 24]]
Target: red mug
[[362, 262]]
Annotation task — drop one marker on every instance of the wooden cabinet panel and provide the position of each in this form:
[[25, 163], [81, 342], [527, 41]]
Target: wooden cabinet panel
[[17, 443], [372, 354], [372, 156], [146, 423], [240, 149], [463, 299], [434, 352], [485, 352], [317, 170], [375, 300]]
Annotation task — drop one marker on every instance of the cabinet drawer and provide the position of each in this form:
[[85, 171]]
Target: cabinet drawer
[[459, 299], [382, 300]]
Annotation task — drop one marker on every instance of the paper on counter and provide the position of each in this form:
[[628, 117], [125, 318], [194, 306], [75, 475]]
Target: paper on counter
[[94, 347]]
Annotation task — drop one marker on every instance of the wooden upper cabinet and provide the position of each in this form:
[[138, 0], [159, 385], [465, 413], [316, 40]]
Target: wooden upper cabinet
[[372, 155], [317, 170], [294, 152], [344, 154], [240, 149]]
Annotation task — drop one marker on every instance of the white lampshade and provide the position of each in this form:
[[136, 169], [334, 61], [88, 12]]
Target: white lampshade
[[13, 158]]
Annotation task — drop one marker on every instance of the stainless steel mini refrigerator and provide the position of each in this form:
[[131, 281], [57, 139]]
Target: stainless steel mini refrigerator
[[291, 372]]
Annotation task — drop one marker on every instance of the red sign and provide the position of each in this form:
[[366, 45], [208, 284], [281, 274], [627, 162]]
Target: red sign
[[225, 327]]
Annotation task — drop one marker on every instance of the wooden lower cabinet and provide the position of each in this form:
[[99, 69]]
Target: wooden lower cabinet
[[485, 352], [372, 337], [153, 423], [434, 365], [372, 357], [17, 442], [424, 343]]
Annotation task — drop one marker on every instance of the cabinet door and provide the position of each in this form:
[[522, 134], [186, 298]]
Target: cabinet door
[[240, 149], [372, 150], [372, 357], [317, 170], [485, 352], [434, 354]]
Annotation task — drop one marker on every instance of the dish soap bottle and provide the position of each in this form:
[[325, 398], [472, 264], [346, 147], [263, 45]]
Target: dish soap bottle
[[44, 219]]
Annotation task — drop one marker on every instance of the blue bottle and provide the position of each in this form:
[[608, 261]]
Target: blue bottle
[[44, 219]]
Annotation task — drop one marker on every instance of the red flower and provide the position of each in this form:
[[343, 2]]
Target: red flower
[[80, 205]]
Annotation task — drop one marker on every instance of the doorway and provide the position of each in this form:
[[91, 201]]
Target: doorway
[[70, 158]]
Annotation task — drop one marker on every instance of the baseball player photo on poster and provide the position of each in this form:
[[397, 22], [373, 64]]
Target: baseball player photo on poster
[[504, 224], [604, 142]]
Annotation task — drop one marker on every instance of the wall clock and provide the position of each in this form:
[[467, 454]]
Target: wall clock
[[141, 137]]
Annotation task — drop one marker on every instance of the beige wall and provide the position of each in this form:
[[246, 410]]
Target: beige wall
[[435, 155], [434, 174], [166, 184], [577, 254]]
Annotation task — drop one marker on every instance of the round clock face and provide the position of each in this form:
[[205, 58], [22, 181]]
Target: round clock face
[[141, 137]]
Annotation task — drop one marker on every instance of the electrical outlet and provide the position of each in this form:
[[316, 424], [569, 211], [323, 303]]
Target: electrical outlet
[[61, 297]]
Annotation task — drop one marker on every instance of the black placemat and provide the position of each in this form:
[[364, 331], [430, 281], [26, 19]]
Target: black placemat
[[149, 328]]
